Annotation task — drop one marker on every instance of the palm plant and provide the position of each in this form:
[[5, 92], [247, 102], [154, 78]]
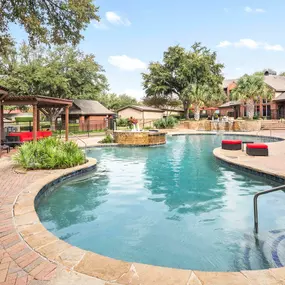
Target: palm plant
[[251, 88], [204, 95]]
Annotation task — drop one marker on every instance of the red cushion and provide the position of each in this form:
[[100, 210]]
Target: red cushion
[[257, 145], [231, 142]]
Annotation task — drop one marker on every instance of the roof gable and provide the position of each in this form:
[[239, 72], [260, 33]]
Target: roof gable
[[89, 107], [142, 108]]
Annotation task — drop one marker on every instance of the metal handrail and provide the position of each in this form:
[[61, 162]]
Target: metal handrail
[[275, 189], [78, 138]]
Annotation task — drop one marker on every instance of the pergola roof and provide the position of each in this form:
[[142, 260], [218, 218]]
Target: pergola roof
[[40, 101]]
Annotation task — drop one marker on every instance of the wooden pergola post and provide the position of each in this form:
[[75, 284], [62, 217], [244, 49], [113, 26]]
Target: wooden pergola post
[[1, 121], [66, 122], [35, 122], [38, 120]]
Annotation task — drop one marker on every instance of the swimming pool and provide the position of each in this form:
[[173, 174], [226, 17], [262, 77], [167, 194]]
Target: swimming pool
[[173, 205]]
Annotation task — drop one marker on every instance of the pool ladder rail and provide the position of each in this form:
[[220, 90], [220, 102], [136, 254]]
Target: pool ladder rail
[[255, 205], [80, 139]]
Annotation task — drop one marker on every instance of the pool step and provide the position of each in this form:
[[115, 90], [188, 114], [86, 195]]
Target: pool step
[[274, 248], [264, 250]]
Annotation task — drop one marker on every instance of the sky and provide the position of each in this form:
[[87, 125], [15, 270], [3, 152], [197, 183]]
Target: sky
[[248, 36]]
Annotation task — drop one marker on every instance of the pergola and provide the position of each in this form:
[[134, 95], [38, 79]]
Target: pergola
[[38, 103]]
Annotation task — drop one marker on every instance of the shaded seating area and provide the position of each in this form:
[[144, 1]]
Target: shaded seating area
[[27, 136], [38, 103], [257, 149], [231, 144]]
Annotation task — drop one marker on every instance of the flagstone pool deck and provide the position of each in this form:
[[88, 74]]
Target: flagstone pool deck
[[29, 254]]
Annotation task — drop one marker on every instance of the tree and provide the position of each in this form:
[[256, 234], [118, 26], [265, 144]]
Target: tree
[[251, 88], [183, 75], [205, 95], [282, 73], [46, 21], [61, 72], [115, 102]]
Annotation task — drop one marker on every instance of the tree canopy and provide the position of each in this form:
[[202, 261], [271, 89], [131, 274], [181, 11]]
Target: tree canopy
[[114, 102], [183, 75], [251, 88], [46, 21], [61, 72]]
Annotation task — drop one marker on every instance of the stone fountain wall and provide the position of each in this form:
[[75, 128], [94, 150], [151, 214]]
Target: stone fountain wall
[[235, 126], [139, 138]]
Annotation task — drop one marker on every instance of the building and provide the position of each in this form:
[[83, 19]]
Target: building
[[273, 109], [145, 115], [89, 114], [172, 111]]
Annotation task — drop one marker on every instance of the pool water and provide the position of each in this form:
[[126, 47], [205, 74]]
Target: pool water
[[173, 205]]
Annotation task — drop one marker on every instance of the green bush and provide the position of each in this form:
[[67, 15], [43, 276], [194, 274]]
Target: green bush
[[23, 119], [107, 139], [166, 123], [49, 153], [122, 122]]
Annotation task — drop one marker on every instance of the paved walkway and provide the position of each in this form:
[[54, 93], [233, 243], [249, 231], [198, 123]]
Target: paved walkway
[[18, 263]]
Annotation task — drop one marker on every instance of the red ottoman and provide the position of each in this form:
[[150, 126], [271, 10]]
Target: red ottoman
[[231, 144], [260, 149]]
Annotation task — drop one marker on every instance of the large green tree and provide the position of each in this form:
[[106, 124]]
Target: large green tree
[[250, 88], [46, 21], [114, 101], [183, 74], [60, 72]]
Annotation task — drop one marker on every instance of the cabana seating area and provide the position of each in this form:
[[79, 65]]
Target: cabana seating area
[[39, 104]]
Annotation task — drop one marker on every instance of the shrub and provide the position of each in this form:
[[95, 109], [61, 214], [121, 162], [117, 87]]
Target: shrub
[[107, 139], [22, 119], [166, 123], [49, 153], [122, 122]]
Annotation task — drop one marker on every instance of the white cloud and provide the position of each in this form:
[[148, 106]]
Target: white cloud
[[116, 19], [224, 44], [259, 10], [251, 10], [126, 63], [248, 9], [273, 47], [100, 25], [251, 44], [138, 94]]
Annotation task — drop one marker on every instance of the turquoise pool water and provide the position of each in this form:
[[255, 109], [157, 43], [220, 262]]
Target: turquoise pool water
[[173, 205]]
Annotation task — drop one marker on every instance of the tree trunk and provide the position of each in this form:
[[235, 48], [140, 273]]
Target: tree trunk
[[197, 112], [250, 108], [186, 109], [52, 120]]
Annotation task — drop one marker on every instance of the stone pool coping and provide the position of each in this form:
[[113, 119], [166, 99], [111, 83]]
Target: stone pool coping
[[107, 270], [271, 167]]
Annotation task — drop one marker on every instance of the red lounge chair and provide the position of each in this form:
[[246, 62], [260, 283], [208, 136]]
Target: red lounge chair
[[231, 144], [257, 149]]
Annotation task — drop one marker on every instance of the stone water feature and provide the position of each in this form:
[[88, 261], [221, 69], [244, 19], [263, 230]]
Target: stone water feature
[[140, 138], [222, 126]]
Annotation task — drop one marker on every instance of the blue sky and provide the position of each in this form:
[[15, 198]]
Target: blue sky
[[248, 35]]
